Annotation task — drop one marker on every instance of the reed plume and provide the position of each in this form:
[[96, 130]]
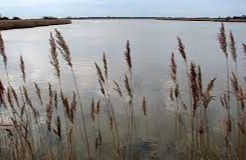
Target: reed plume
[[54, 56], [57, 131], [22, 67], [73, 107], [15, 96], [2, 90], [233, 47], [199, 80], [244, 48], [181, 49], [38, 92], [173, 69], [234, 83], [98, 107], [93, 110], [4, 56], [49, 108], [2, 50], [194, 86], [29, 102], [99, 73], [63, 48], [128, 55], [222, 39], [69, 109], [127, 86], [118, 89], [105, 64], [144, 108]]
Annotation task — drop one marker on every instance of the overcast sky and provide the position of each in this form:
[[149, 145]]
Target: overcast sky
[[63, 8]]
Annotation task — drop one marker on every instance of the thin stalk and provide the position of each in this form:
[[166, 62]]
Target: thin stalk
[[228, 134], [82, 113]]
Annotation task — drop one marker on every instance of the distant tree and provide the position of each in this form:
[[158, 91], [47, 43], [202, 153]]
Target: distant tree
[[227, 18], [16, 18], [49, 17], [4, 18]]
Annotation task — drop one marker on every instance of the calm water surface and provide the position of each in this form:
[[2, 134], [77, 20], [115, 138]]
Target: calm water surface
[[152, 43]]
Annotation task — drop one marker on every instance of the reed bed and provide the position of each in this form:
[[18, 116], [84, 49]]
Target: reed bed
[[55, 125], [30, 23]]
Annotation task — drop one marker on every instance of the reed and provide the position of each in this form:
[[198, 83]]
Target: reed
[[2, 50], [128, 81], [244, 48], [103, 81], [65, 52], [174, 92], [223, 46]]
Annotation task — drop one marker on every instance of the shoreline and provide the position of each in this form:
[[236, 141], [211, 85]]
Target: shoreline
[[31, 23], [206, 19]]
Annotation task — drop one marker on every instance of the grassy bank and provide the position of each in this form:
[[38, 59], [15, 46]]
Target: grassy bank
[[15, 24]]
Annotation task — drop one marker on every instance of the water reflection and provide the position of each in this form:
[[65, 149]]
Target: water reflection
[[152, 43]]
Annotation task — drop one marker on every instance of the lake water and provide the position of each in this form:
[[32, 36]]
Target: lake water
[[152, 42]]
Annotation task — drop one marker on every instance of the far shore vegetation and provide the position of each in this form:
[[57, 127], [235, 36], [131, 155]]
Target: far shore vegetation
[[212, 19], [17, 22]]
